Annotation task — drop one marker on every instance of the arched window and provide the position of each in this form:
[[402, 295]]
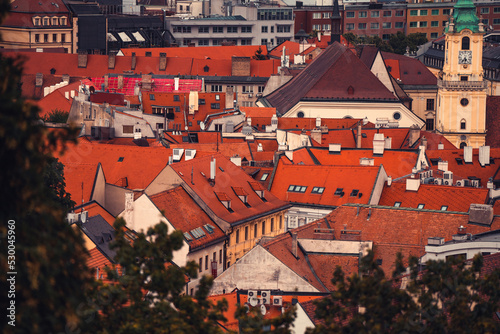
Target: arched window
[[462, 145], [463, 124], [350, 90], [465, 43], [300, 114]]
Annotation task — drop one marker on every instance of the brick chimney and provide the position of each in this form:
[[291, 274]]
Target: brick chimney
[[82, 59], [39, 80], [358, 136], [134, 62], [163, 61], [111, 60], [413, 135], [240, 66], [120, 82]]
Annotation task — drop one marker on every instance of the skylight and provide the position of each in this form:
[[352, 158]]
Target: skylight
[[397, 204], [297, 189], [444, 208], [210, 229], [264, 176], [354, 192], [459, 161], [188, 236], [198, 232], [420, 206], [120, 159], [339, 192], [317, 190]]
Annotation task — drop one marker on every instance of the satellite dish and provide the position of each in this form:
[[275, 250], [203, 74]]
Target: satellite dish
[[263, 309], [254, 301], [202, 126], [186, 128]]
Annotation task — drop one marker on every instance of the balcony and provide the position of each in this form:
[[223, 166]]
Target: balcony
[[463, 85]]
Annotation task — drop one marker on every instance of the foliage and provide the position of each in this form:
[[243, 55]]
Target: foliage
[[57, 116], [446, 297], [149, 297], [397, 43], [252, 321], [51, 277], [53, 175], [258, 54]]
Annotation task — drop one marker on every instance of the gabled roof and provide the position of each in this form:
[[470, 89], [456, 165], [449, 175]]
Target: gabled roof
[[335, 75], [57, 100], [368, 55], [404, 230], [411, 71], [185, 215], [322, 183], [80, 178], [227, 149], [316, 268], [227, 176], [433, 197], [463, 170]]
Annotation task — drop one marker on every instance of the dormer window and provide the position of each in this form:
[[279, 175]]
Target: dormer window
[[259, 190], [55, 21], [36, 21], [242, 195], [46, 21], [62, 21], [225, 200]]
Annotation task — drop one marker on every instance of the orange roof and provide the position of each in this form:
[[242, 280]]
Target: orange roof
[[310, 123], [394, 230], [258, 112], [393, 64], [202, 52], [292, 48], [187, 219], [433, 197], [227, 176], [396, 163], [227, 149], [463, 170], [80, 178], [319, 185], [57, 100]]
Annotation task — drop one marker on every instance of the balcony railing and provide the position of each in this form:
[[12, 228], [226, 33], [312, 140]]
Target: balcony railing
[[463, 85]]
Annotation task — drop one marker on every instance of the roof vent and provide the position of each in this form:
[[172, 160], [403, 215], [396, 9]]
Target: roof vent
[[435, 241], [177, 154], [366, 161], [212, 170], [190, 154], [334, 148], [378, 143], [481, 214]]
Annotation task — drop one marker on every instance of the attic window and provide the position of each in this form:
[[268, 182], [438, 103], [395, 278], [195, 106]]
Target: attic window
[[354, 192], [492, 161], [339, 192], [242, 195], [350, 90], [188, 236], [317, 190], [363, 135], [225, 200], [264, 176], [176, 98], [434, 161], [120, 159], [198, 233], [148, 53], [421, 206], [459, 161], [397, 204], [405, 72], [152, 97], [297, 189], [206, 68], [444, 208], [389, 69], [210, 229]]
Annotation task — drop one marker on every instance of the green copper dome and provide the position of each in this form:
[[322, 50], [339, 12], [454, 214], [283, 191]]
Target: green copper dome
[[464, 17]]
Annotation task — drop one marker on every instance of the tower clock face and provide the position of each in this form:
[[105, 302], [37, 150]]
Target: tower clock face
[[464, 57]]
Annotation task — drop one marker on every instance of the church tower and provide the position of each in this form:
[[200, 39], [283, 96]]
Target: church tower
[[336, 23], [461, 110]]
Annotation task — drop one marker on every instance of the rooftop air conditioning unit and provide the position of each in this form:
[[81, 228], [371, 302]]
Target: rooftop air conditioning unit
[[460, 183], [438, 181], [447, 182], [277, 300]]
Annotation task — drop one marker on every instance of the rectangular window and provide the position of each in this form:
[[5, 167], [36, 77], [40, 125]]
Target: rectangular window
[[485, 21], [387, 13], [387, 25], [485, 10], [446, 11], [374, 25], [232, 29], [63, 21], [398, 25], [434, 23], [37, 22], [435, 12], [45, 21], [54, 20], [200, 264], [54, 38], [220, 256], [128, 129], [349, 26], [63, 38], [363, 14], [386, 37], [246, 232], [375, 13], [263, 227], [399, 13], [255, 231], [496, 21], [317, 190], [423, 12], [203, 30], [397, 204], [327, 15], [414, 12], [316, 15], [176, 98], [413, 24], [281, 222], [326, 27], [216, 88], [349, 14], [429, 124], [37, 38], [206, 262], [218, 30], [283, 28], [46, 38], [246, 29], [272, 31], [263, 41], [264, 29], [423, 24], [361, 25], [496, 10], [430, 104], [203, 42], [272, 224], [214, 257], [420, 206], [434, 35], [237, 236], [215, 106]]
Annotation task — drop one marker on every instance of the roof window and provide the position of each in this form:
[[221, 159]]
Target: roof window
[[339, 192], [421, 206], [210, 229], [444, 208], [120, 159], [297, 189], [317, 190], [354, 192], [460, 161], [198, 232], [264, 176], [188, 236], [397, 204]]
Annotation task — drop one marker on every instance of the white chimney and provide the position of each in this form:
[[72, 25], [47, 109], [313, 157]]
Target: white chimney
[[366, 162], [484, 155], [236, 160], [46, 91], [259, 148], [72, 93], [412, 184], [176, 84], [389, 181], [334, 148], [378, 143], [129, 209], [388, 143], [443, 166], [249, 121], [318, 122], [440, 146], [468, 154], [212, 170], [66, 95]]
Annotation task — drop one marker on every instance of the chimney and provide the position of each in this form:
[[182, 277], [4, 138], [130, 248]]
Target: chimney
[[413, 135], [120, 82], [129, 209], [240, 66], [66, 95], [249, 121], [443, 166], [176, 84], [39, 80], [424, 142], [111, 60], [334, 148], [212, 170], [388, 143], [106, 81], [358, 136], [146, 80], [378, 143], [134, 62], [462, 230], [163, 61], [82, 59], [316, 135], [318, 122], [294, 244], [440, 146], [235, 159], [468, 154], [481, 214], [412, 184], [389, 181], [260, 148], [484, 155]]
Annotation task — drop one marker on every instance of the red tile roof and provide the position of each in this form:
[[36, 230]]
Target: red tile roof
[[79, 177], [401, 230], [205, 52], [57, 100], [158, 85], [353, 81], [227, 175], [464, 170], [410, 71], [256, 112], [434, 196], [227, 149], [330, 178], [185, 215]]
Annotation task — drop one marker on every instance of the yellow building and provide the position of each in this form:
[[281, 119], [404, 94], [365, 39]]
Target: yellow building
[[37, 25], [461, 110]]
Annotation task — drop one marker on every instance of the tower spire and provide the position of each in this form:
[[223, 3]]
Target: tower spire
[[464, 17], [336, 24]]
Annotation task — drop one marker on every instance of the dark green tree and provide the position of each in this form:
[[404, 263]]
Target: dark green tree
[[150, 296], [252, 321], [446, 297], [45, 256], [56, 116], [258, 54], [351, 38], [53, 175]]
